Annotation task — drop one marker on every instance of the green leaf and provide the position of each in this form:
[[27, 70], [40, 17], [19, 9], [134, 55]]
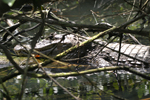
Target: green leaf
[[9, 2]]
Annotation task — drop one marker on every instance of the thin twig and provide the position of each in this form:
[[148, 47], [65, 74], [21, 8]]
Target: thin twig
[[8, 55], [5, 89], [33, 43], [40, 66]]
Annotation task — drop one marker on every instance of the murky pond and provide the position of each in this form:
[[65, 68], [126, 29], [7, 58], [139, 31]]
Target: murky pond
[[102, 86]]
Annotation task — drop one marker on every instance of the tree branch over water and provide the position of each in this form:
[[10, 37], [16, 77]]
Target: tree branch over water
[[81, 26], [110, 68]]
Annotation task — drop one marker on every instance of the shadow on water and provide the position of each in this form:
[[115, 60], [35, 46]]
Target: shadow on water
[[125, 85]]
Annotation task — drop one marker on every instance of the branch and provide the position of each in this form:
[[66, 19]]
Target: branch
[[20, 32], [83, 43], [18, 3], [40, 66], [8, 55], [110, 68], [81, 26]]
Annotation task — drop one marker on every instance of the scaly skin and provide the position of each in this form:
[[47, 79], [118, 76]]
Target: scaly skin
[[131, 54]]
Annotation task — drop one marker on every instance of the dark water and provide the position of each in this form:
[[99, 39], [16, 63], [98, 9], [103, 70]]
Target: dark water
[[124, 85]]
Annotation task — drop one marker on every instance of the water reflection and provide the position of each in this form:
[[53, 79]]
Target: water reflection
[[123, 84]]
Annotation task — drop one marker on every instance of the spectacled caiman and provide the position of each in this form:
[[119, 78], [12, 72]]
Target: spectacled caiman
[[131, 54]]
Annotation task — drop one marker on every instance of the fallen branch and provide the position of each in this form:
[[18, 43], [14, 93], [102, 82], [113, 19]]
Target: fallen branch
[[110, 68], [81, 26]]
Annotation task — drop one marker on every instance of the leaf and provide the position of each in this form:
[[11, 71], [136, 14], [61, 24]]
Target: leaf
[[9, 2]]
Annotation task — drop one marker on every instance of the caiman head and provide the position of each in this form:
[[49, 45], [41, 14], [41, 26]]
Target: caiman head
[[50, 46]]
